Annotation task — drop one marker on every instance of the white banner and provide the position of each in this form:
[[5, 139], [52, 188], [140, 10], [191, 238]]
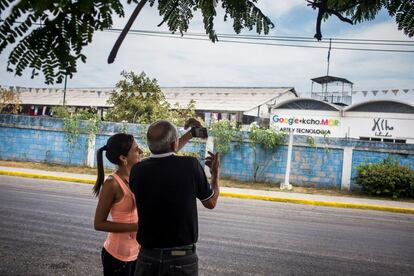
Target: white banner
[[379, 127], [329, 126]]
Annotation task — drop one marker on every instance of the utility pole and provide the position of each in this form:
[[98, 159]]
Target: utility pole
[[64, 89], [329, 56]]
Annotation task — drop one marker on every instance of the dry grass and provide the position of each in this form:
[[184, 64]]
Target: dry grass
[[49, 167], [275, 187]]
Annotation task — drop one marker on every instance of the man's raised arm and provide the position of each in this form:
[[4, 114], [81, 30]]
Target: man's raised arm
[[213, 162], [187, 136]]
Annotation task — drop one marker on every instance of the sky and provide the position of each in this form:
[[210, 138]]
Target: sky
[[178, 62]]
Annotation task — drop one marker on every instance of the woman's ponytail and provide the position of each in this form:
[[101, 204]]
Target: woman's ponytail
[[100, 169], [117, 145]]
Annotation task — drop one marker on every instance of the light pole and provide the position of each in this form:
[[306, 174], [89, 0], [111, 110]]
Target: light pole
[[64, 89]]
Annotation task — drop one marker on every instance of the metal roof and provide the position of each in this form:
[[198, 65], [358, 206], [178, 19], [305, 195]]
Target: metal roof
[[224, 98], [206, 98], [307, 104], [74, 97], [330, 79], [382, 106]]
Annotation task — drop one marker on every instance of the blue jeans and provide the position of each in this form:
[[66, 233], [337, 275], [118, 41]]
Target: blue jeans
[[163, 262]]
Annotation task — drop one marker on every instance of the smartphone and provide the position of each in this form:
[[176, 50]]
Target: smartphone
[[199, 132]]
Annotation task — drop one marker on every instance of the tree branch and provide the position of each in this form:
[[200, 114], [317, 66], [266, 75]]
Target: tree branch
[[322, 6], [323, 9], [342, 18], [125, 31]]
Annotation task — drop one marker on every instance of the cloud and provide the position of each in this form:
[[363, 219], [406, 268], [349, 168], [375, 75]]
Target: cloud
[[276, 9], [179, 62]]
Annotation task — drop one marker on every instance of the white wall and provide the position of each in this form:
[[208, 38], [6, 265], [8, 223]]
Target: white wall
[[345, 125], [379, 125]]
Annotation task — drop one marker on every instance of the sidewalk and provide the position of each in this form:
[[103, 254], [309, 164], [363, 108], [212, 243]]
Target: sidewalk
[[290, 197]]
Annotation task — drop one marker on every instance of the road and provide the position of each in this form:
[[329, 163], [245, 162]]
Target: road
[[46, 228]]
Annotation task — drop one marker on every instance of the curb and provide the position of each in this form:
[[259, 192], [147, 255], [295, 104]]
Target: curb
[[235, 195], [322, 203], [50, 177]]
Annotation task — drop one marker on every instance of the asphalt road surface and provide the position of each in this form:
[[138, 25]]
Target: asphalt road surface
[[46, 228]]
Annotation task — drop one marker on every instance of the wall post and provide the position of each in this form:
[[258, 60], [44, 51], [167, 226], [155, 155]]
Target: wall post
[[90, 161], [347, 168]]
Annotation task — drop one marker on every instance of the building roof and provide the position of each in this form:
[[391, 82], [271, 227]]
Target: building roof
[[74, 97], [225, 98], [330, 79], [307, 104], [206, 98], [382, 106]]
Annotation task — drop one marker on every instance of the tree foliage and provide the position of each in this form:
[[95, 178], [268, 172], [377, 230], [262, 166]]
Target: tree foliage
[[266, 139], [139, 99], [54, 46], [225, 132], [9, 102], [356, 11]]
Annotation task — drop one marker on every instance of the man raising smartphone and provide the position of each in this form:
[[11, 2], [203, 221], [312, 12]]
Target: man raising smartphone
[[166, 188]]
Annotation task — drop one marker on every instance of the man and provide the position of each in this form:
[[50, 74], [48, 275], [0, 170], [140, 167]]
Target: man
[[166, 188]]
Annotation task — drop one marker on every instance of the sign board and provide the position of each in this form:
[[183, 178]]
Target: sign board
[[317, 125], [380, 127]]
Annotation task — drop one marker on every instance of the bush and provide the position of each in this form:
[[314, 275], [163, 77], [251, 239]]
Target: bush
[[224, 133], [267, 138], [387, 178], [61, 111]]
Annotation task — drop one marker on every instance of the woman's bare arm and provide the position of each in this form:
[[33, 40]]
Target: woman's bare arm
[[105, 202]]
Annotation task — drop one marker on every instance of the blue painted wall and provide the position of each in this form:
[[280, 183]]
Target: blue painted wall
[[41, 146], [42, 139], [317, 167]]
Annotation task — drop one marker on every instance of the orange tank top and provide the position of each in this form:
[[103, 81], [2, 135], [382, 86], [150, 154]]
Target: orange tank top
[[123, 246]]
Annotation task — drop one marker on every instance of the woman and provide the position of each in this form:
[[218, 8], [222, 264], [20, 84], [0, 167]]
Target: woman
[[121, 248]]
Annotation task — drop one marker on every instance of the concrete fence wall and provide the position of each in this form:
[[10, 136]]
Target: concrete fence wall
[[42, 139], [330, 163]]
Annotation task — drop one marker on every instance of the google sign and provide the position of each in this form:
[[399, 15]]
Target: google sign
[[306, 121], [307, 125]]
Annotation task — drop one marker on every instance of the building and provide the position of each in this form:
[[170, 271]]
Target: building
[[241, 104], [387, 121]]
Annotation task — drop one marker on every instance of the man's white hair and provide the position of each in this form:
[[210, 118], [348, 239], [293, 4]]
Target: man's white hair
[[166, 134]]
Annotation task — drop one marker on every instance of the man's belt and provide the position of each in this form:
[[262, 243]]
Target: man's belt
[[171, 251]]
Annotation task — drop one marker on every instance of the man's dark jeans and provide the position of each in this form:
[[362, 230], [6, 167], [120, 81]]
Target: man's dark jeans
[[163, 262]]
